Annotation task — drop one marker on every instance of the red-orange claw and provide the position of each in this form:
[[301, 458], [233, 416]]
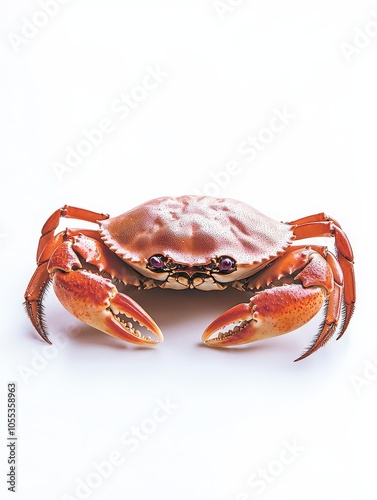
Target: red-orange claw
[[95, 300], [237, 314], [125, 305], [271, 312]]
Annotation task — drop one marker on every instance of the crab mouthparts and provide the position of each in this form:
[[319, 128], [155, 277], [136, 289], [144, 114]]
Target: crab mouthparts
[[229, 327]]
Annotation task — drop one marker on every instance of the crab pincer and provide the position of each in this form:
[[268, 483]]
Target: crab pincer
[[95, 301], [270, 313]]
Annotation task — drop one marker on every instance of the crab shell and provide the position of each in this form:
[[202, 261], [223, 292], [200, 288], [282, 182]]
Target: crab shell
[[193, 230]]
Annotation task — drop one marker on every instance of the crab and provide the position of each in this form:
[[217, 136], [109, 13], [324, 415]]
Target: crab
[[203, 243]]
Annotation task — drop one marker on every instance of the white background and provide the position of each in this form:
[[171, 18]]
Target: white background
[[235, 410]]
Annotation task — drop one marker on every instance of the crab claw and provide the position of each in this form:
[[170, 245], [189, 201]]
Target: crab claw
[[269, 313], [95, 300], [230, 327]]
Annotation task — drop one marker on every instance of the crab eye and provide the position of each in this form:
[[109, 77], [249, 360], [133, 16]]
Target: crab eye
[[226, 264], [157, 262]]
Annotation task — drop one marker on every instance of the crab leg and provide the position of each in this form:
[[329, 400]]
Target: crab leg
[[47, 233], [34, 299], [323, 225], [286, 295], [48, 242]]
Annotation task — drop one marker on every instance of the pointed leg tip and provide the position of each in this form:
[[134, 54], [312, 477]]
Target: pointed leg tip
[[42, 331], [35, 314], [46, 339], [300, 358]]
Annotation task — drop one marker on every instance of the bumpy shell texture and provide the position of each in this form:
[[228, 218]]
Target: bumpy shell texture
[[192, 230]]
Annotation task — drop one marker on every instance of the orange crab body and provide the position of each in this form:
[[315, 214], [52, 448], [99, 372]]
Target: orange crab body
[[196, 242]]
